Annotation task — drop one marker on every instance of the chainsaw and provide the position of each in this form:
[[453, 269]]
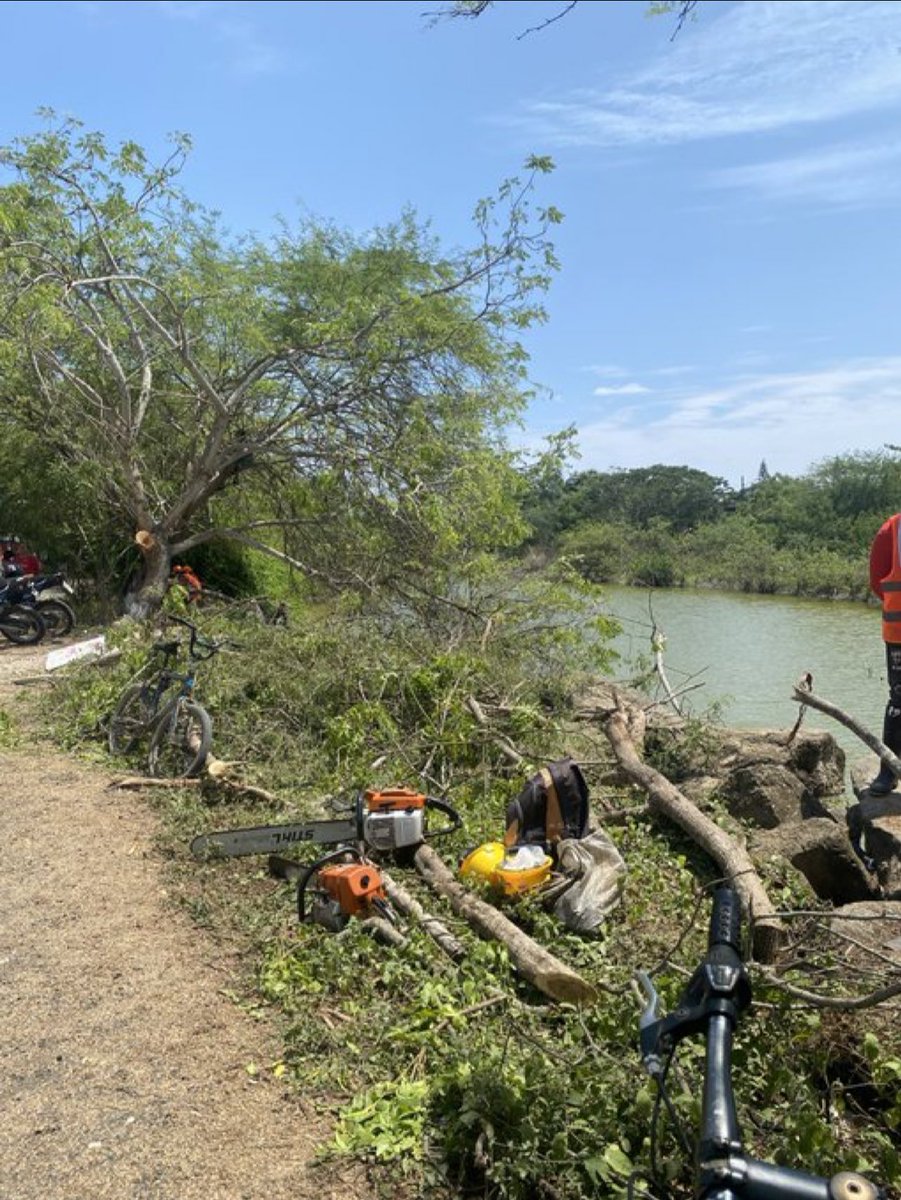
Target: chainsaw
[[384, 821], [341, 890]]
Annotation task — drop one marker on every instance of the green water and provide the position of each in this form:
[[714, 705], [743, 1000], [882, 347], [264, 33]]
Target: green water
[[747, 652]]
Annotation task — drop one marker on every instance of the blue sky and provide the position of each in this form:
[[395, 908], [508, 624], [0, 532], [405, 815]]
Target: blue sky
[[729, 290]]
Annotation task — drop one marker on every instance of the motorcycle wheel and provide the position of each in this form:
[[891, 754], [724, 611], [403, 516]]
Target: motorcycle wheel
[[58, 617], [22, 626]]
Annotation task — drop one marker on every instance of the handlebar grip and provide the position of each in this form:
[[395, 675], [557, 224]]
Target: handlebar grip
[[725, 920]]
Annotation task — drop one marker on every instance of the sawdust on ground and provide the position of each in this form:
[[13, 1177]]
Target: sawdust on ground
[[123, 1065]]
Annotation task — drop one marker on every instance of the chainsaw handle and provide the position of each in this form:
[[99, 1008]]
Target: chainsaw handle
[[442, 806]]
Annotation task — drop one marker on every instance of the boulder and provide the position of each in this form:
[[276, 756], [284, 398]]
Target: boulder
[[821, 850], [764, 781], [878, 819]]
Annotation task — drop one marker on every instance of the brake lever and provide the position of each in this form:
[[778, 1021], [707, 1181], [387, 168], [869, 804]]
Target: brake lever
[[649, 1026]]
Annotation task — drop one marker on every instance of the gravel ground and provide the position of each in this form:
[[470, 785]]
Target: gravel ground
[[123, 1066]]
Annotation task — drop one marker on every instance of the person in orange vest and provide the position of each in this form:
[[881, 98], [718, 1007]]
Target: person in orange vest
[[885, 581], [189, 581]]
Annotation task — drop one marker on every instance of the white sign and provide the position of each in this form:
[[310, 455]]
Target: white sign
[[89, 649]]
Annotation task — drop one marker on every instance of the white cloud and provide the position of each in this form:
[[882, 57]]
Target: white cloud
[[757, 67], [790, 419], [626, 389], [842, 175]]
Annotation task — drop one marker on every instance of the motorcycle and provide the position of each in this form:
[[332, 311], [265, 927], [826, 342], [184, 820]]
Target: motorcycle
[[58, 616], [18, 623]]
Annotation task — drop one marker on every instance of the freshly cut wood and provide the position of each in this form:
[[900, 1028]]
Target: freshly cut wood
[[410, 907], [732, 858], [536, 964]]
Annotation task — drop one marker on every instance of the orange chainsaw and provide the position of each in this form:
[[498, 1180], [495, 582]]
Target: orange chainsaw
[[340, 890]]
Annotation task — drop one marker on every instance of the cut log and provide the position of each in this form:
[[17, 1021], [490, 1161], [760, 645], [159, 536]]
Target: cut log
[[536, 964], [733, 859], [410, 907]]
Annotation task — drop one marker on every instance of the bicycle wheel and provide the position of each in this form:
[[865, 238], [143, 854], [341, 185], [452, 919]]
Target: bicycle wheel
[[131, 719], [21, 625], [181, 741], [58, 617]]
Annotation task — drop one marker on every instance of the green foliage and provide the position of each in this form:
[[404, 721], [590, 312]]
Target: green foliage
[[386, 1122], [669, 526], [334, 399]]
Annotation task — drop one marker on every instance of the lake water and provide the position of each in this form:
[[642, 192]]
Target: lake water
[[747, 652]]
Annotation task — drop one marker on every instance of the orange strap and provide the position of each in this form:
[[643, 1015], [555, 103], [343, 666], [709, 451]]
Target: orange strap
[[511, 834], [553, 821]]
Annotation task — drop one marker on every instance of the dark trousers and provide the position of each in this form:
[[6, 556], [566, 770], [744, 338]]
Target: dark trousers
[[891, 729]]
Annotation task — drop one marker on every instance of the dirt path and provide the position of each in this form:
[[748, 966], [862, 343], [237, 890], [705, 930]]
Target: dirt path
[[123, 1068]]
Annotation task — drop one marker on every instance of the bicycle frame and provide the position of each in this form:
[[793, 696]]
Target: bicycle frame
[[711, 1004]]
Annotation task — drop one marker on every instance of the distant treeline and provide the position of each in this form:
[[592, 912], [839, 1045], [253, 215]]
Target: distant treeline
[[665, 526]]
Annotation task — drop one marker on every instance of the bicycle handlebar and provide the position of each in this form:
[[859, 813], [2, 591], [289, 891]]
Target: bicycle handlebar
[[199, 643], [711, 1004]]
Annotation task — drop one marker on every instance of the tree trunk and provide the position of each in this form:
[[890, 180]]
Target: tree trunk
[[732, 858], [547, 973], [148, 585]]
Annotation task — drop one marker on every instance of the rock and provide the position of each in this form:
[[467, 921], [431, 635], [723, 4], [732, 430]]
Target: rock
[[879, 932], [769, 794], [768, 783], [879, 820], [821, 850]]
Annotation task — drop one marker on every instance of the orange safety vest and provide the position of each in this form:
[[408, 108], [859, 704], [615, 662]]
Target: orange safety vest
[[891, 588]]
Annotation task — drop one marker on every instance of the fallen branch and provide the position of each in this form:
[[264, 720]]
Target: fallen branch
[[500, 998], [536, 964], [847, 1003], [383, 931], [837, 714], [658, 645], [503, 744], [133, 782], [733, 859], [410, 907], [804, 684]]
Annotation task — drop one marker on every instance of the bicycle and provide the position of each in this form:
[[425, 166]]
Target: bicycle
[[711, 1004], [163, 706]]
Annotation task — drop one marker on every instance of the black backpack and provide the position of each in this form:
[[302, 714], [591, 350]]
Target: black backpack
[[552, 806]]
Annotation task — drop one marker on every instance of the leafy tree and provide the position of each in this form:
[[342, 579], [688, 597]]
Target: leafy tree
[[545, 485], [682, 497], [333, 400]]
